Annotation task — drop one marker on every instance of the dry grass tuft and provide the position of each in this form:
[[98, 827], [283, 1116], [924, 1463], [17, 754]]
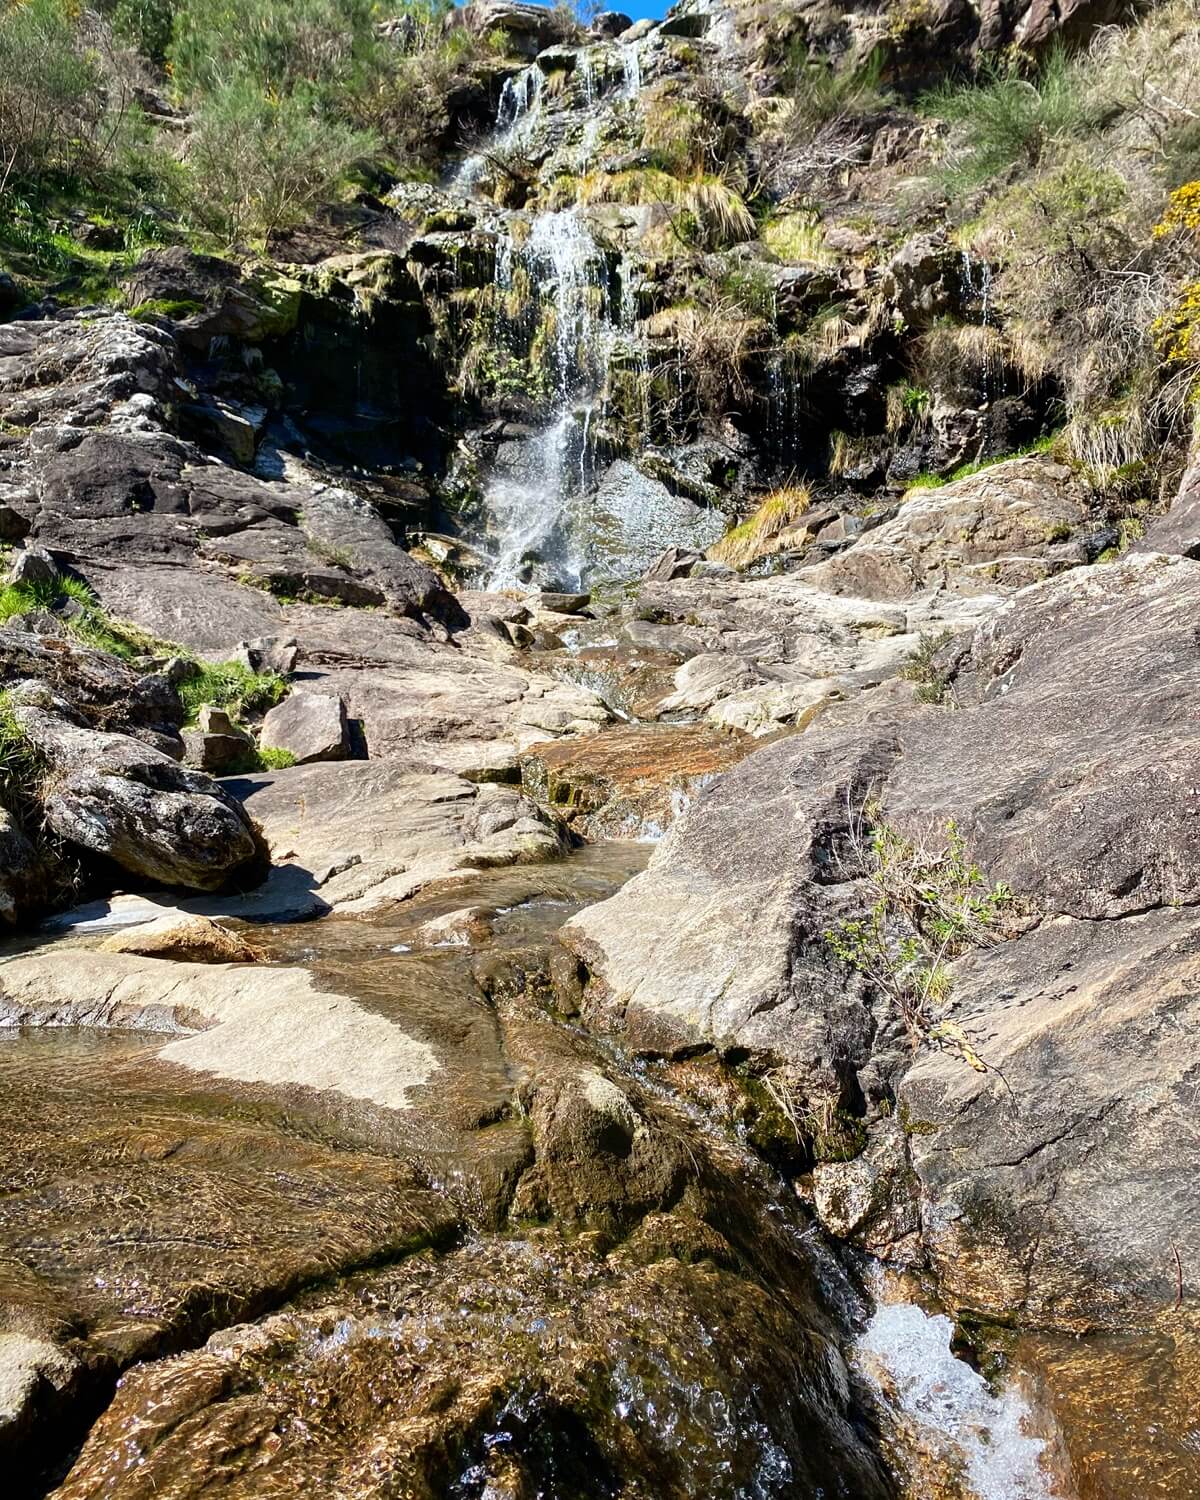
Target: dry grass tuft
[[758, 535]]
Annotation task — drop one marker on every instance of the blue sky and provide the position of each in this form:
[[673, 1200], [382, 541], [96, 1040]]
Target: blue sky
[[655, 9]]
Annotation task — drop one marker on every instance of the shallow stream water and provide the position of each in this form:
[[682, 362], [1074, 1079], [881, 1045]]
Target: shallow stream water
[[158, 1206]]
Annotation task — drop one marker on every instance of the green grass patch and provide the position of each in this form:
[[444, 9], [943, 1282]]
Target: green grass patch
[[1043, 444], [159, 307], [88, 621], [22, 768], [271, 759], [233, 687]]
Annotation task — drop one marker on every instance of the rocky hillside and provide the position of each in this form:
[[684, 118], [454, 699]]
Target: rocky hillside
[[596, 849]]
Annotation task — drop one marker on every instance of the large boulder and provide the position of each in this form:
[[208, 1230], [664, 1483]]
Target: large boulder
[[309, 726], [1050, 770], [213, 298], [1000, 529], [369, 834], [97, 686], [119, 798], [528, 29]]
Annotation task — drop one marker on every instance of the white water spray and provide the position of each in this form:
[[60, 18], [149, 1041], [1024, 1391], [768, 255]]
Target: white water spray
[[905, 1354]]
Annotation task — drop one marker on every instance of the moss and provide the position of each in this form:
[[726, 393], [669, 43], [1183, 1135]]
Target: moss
[[271, 759]]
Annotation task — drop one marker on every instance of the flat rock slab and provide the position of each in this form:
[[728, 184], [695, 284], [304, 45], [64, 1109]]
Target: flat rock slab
[[366, 833], [251, 1024], [144, 1205], [633, 780]]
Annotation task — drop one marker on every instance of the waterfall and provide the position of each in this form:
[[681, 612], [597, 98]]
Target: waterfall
[[631, 69], [534, 500], [979, 290], [516, 116]]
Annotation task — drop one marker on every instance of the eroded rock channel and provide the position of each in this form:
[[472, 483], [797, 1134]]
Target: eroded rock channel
[[598, 804]]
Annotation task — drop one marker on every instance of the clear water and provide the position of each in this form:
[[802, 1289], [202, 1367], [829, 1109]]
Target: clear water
[[957, 1418]]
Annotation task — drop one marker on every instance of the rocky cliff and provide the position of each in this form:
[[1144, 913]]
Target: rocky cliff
[[599, 735]]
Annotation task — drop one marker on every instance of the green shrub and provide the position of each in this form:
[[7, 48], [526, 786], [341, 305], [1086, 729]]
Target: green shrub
[[1008, 120], [929, 903], [52, 94], [271, 759], [144, 24], [282, 45], [259, 161], [922, 667], [231, 686], [822, 92]]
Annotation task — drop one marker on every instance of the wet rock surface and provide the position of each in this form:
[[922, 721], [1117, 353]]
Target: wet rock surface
[[361, 1132]]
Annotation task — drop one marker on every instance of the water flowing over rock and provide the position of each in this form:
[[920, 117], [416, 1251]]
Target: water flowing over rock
[[601, 732]]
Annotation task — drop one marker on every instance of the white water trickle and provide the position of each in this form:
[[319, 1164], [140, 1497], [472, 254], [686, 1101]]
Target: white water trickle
[[516, 114], [631, 67], [905, 1355], [586, 65], [980, 290]]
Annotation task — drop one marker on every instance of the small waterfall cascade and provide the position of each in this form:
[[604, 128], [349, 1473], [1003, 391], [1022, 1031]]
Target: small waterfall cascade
[[516, 116], [563, 303], [536, 500], [951, 1419], [977, 289]]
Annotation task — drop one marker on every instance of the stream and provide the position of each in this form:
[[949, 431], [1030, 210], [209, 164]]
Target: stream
[[184, 1202], [555, 1271]]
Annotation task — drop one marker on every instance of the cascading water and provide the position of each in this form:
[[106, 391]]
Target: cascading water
[[977, 287], [950, 1416], [534, 497], [516, 113]]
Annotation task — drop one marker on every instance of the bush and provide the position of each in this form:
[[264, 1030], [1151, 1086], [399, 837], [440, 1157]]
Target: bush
[[821, 93], [1007, 120], [272, 759], [259, 162], [929, 903], [52, 95], [316, 45], [144, 24]]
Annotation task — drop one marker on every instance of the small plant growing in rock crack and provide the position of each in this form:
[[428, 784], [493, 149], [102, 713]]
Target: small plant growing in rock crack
[[22, 769], [930, 903], [923, 669]]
